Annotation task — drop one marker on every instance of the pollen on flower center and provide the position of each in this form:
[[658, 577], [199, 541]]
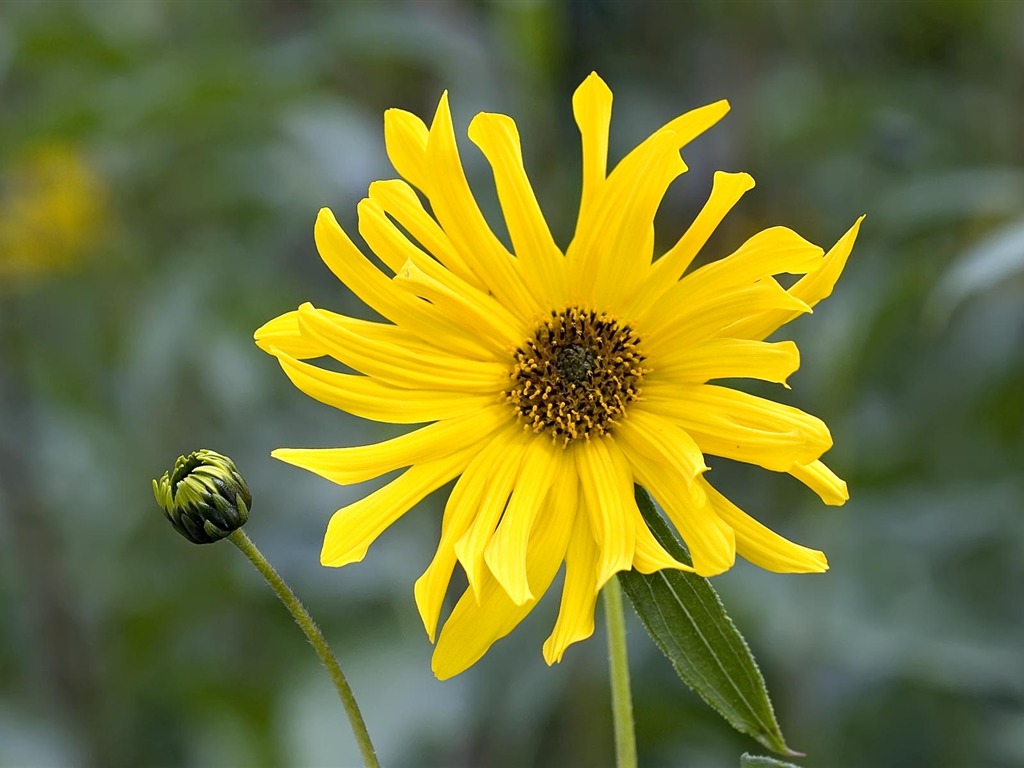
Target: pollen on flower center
[[577, 375]]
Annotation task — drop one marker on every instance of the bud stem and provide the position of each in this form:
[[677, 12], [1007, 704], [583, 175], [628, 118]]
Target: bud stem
[[316, 638], [618, 663]]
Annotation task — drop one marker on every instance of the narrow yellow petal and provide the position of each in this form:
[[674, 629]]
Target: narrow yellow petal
[[579, 592], [365, 462], [283, 333], [734, 424], [823, 481], [470, 547], [540, 259], [660, 457], [819, 284], [771, 252], [400, 201], [377, 291], [394, 248], [686, 127], [371, 399], [287, 327], [607, 258], [762, 546], [397, 251], [479, 620], [399, 364], [459, 215], [592, 108], [607, 487], [726, 191], [811, 289], [505, 553], [662, 442], [728, 359], [405, 139], [386, 240], [650, 556], [711, 542], [459, 513], [670, 326], [469, 310], [354, 528]]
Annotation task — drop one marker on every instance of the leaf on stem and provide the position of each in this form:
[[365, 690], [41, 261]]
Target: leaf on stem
[[686, 619]]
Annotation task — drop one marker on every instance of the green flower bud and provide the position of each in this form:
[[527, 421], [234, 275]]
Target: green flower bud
[[204, 497]]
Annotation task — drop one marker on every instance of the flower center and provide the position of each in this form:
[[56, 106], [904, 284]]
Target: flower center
[[576, 376]]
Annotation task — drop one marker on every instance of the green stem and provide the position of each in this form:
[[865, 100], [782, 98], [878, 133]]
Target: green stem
[[622, 702], [316, 638]]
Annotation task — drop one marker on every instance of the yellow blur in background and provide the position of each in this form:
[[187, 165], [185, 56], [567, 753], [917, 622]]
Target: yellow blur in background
[[53, 213]]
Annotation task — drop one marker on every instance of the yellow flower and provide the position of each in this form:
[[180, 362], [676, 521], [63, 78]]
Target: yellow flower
[[555, 381]]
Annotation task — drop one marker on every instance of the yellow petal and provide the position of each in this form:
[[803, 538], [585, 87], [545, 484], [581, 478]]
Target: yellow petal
[[283, 333], [770, 252], [686, 127], [592, 108], [650, 556], [371, 399], [730, 358], [762, 546], [459, 215], [387, 242], [377, 291], [470, 311], [726, 191], [662, 442], [734, 424], [399, 200], [505, 553], [607, 257], [607, 487], [819, 284], [479, 620], [811, 289], [661, 460], [365, 462], [470, 547], [540, 260], [579, 592], [459, 513], [396, 251], [669, 326], [823, 481], [400, 364], [405, 138], [354, 528], [394, 248], [286, 328]]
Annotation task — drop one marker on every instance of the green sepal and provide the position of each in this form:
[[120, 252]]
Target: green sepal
[[687, 621]]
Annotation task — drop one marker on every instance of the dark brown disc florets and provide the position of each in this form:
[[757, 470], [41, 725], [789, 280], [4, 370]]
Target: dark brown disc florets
[[577, 375]]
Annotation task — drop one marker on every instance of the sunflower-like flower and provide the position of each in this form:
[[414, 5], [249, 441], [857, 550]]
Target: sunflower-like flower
[[551, 382]]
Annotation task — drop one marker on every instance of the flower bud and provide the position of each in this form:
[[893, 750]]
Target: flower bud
[[205, 497]]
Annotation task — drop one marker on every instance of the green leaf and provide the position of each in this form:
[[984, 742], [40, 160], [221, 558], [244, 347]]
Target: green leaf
[[686, 619], [757, 761]]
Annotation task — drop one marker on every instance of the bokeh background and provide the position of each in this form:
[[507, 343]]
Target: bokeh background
[[161, 166]]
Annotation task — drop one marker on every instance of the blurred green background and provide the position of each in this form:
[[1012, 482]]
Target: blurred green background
[[161, 165]]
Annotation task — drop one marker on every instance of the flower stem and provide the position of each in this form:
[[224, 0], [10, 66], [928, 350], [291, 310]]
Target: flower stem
[[316, 639], [618, 663]]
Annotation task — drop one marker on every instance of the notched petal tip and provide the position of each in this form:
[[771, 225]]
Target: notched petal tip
[[741, 180]]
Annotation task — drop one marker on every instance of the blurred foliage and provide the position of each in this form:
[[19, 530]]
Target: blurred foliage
[[194, 143]]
